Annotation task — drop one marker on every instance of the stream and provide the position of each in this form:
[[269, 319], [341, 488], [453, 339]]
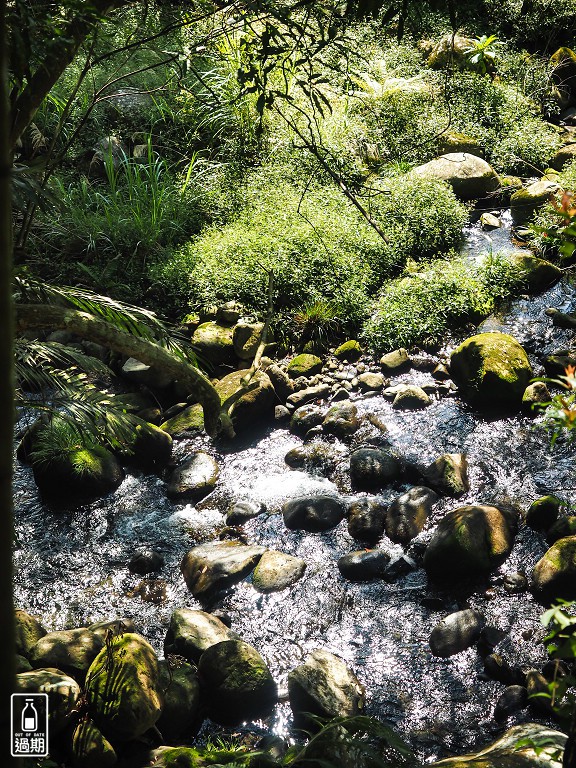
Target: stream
[[71, 566]]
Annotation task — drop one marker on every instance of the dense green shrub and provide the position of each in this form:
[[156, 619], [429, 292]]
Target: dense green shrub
[[548, 217], [421, 306]]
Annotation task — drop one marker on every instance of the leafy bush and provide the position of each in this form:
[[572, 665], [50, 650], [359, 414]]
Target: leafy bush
[[555, 223], [420, 307]]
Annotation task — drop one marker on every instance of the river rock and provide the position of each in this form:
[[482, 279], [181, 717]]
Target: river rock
[[469, 176], [71, 650], [63, 694], [555, 365], [525, 201], [488, 221], [324, 686], [313, 513], [491, 369], [364, 564], [308, 394], [506, 752], [456, 632], [277, 571], [304, 365], [116, 626], [565, 526], [145, 561], [536, 274], [539, 693], [181, 711], [246, 339], [236, 682], [306, 417], [513, 699], [191, 632], [189, 420], [374, 468], [563, 157], [349, 352], [150, 448], [243, 510], [123, 688], [194, 479], [470, 541], [283, 385], [215, 343], [534, 395], [90, 748], [407, 515], [218, 565], [80, 475], [27, 630], [543, 512], [554, 575], [315, 456], [395, 362], [448, 474], [341, 420], [366, 519], [255, 405], [371, 382], [410, 397]]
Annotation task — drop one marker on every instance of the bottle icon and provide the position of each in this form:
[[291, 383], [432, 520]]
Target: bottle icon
[[29, 717]]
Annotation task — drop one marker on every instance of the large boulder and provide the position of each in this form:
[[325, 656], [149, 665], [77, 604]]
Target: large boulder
[[181, 711], [237, 683], [71, 650], [27, 630], [554, 575], [469, 176], [313, 513], [407, 515], [123, 688], [536, 274], [324, 686], [456, 632], [255, 405], [491, 369], [246, 339], [191, 632], [215, 343], [448, 474], [194, 479], [217, 565], [79, 475], [63, 695], [470, 541], [374, 468], [524, 202], [451, 50]]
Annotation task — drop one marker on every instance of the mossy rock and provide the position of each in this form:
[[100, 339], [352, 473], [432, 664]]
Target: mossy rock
[[79, 475], [71, 650], [563, 527], [470, 541], [150, 448], [189, 420], [63, 695], [554, 575], [304, 365], [215, 343], [237, 683], [27, 630], [180, 716], [452, 141], [564, 157], [536, 274], [543, 512], [563, 62], [350, 351], [492, 370], [470, 176], [524, 202], [90, 748], [123, 688]]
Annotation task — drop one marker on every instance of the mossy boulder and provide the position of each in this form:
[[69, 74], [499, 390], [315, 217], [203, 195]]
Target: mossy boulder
[[448, 474], [554, 575], [214, 343], [27, 630], [470, 176], [349, 352], [191, 632], [536, 274], [90, 748], [180, 716], [524, 202], [150, 448], [563, 62], [395, 362], [304, 365], [491, 370], [63, 695], [452, 141], [71, 650], [470, 541], [236, 682], [257, 403], [543, 512], [451, 50], [123, 688], [78, 475], [246, 339], [564, 156], [191, 419]]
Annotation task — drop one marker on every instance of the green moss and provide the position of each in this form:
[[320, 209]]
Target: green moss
[[349, 351], [191, 418], [304, 365]]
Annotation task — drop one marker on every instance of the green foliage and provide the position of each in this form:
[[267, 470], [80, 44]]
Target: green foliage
[[482, 53], [421, 306], [61, 438], [555, 226], [539, 24]]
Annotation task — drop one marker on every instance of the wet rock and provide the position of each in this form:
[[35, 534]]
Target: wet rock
[[304, 365], [524, 202], [236, 682], [374, 468], [90, 748], [441, 373], [456, 632], [366, 519], [543, 512], [561, 319], [246, 339], [554, 575], [364, 565], [340, 394], [218, 565], [537, 685], [277, 571], [470, 541], [191, 632], [145, 561], [281, 413], [410, 398], [191, 419], [27, 630], [498, 669], [398, 567], [180, 716], [283, 385], [371, 382], [341, 420], [490, 637], [491, 370], [125, 711], [194, 479], [469, 176], [241, 511], [535, 394], [324, 686], [536, 274], [513, 699], [150, 448], [515, 582], [505, 752], [63, 694], [350, 351], [256, 404], [488, 221], [408, 514], [315, 457], [215, 343], [313, 513], [306, 417], [71, 650], [565, 526], [307, 395], [395, 362], [80, 475], [448, 474]]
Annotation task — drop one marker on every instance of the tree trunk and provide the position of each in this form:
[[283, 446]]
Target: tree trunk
[[34, 316]]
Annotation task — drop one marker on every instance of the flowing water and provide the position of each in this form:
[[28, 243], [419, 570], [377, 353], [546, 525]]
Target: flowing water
[[71, 567]]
